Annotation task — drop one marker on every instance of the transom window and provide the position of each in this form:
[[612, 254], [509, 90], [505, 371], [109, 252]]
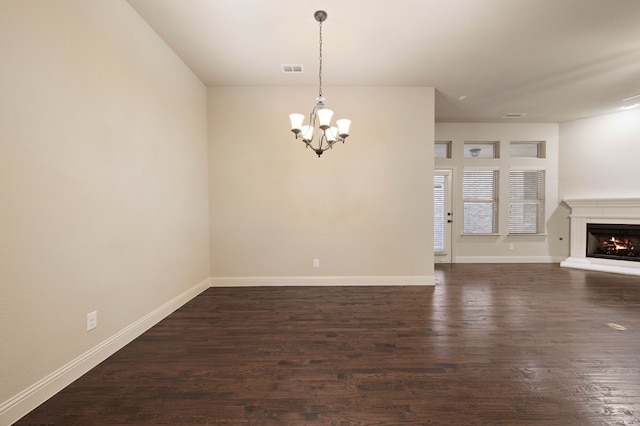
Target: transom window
[[481, 150]]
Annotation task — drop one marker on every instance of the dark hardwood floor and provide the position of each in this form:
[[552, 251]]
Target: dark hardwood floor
[[499, 344]]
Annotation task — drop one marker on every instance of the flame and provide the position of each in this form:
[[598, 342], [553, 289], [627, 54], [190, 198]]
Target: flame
[[619, 244]]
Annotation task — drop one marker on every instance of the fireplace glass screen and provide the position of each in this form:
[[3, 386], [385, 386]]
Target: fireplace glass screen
[[612, 241]]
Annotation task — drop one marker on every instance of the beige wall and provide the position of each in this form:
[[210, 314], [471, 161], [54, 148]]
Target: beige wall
[[103, 180], [551, 247], [364, 209], [599, 156]]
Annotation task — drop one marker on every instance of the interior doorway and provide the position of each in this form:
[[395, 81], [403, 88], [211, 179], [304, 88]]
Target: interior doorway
[[442, 216]]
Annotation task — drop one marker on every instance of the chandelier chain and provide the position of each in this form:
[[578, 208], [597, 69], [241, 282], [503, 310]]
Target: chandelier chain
[[320, 68]]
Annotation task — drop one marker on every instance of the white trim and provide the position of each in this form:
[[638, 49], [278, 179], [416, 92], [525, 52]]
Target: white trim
[[481, 168], [527, 168], [21, 404], [602, 265], [606, 202], [322, 281], [508, 259]]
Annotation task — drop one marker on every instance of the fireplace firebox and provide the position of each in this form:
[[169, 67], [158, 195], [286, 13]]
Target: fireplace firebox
[[613, 241]]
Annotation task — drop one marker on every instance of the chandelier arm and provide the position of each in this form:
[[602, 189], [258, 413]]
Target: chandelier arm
[[330, 144]]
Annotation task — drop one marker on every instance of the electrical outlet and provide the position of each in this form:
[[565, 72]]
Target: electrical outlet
[[510, 246], [316, 263], [92, 320]]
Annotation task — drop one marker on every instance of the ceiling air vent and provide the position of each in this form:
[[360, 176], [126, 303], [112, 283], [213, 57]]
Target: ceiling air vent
[[514, 115], [292, 69]]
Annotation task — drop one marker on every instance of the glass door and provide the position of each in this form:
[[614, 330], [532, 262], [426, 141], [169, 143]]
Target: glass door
[[442, 216]]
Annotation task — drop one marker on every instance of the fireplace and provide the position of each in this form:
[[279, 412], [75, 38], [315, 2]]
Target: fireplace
[[613, 241], [605, 235]]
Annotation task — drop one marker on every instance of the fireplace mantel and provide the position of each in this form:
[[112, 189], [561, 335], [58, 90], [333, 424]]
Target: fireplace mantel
[[608, 211]]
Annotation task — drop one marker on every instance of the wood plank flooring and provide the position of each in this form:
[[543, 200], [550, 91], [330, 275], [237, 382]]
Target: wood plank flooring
[[501, 344]]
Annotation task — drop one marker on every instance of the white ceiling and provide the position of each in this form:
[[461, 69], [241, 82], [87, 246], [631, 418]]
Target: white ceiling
[[555, 60]]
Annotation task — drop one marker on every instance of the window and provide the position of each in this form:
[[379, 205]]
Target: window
[[442, 150], [480, 200], [481, 150], [526, 202], [527, 149]]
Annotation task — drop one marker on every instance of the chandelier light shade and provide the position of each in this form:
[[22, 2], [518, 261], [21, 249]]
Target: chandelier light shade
[[320, 117]]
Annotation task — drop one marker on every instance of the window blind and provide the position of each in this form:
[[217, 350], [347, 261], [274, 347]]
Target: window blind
[[439, 203], [526, 201], [480, 199]]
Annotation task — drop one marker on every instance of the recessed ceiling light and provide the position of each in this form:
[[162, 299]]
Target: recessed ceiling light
[[462, 98], [514, 115], [630, 106]]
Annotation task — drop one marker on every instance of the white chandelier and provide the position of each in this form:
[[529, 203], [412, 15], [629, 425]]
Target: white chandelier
[[320, 116]]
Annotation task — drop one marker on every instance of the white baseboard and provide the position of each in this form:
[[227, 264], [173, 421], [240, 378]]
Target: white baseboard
[[322, 281], [508, 259], [21, 404]]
